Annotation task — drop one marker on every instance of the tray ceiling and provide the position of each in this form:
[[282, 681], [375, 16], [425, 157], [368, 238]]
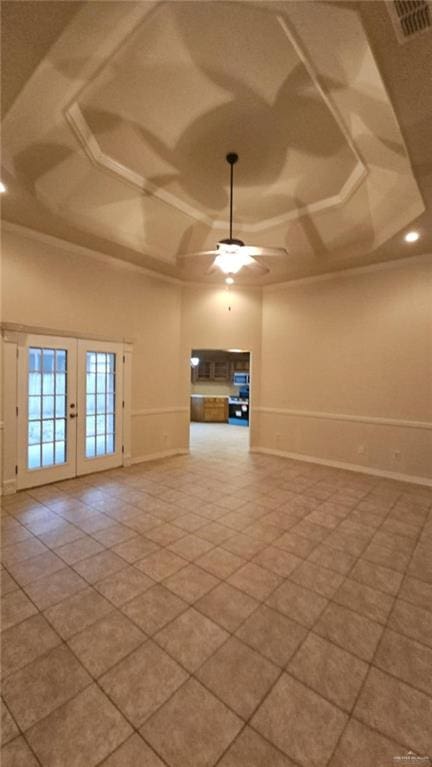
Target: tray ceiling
[[117, 133]]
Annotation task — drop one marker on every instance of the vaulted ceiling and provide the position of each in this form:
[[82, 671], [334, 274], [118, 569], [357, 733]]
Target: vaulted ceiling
[[117, 117]]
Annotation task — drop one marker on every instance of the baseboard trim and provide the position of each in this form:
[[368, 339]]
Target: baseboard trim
[[8, 487], [345, 465], [161, 454]]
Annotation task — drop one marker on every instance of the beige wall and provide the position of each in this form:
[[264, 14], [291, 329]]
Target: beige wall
[[341, 368], [356, 345], [217, 318], [51, 287]]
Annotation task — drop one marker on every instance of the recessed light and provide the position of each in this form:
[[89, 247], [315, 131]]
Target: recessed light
[[229, 280], [2, 187], [411, 236]]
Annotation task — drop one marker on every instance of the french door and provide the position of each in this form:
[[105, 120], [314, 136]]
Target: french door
[[70, 417]]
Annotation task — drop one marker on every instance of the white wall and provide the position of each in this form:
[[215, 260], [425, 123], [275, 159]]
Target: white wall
[[360, 346]]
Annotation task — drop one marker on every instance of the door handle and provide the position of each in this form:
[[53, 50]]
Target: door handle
[[73, 415]]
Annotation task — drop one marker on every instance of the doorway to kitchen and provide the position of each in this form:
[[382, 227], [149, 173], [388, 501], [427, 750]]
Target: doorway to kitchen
[[220, 396]]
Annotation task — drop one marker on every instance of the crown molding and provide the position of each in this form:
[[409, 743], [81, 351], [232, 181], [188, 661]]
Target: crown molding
[[381, 266], [81, 250]]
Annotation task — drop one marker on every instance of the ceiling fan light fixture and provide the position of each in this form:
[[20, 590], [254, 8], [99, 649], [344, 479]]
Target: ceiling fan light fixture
[[231, 263], [229, 280]]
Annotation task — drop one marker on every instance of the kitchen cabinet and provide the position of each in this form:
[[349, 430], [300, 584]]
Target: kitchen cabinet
[[209, 409]]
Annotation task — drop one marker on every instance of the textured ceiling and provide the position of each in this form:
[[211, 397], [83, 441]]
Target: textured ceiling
[[117, 117]]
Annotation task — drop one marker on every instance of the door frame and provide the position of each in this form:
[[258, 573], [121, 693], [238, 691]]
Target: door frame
[[251, 385], [14, 342]]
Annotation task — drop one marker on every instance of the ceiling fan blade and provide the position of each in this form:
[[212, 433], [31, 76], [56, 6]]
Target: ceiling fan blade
[[198, 253], [253, 250], [257, 268], [213, 268]]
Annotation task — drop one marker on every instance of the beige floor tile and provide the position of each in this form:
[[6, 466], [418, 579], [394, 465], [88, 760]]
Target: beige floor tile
[[310, 531], [190, 522], [214, 532], [19, 552], [114, 534], [50, 590], [255, 581], [106, 642], [133, 753], [190, 547], [316, 578], [161, 564], [8, 584], [39, 688], [227, 606], [406, 659], [330, 671], [251, 750], [143, 681], [296, 544], [15, 607], [412, 621], [349, 630], [361, 746], [165, 534], [298, 603], [191, 583], [377, 577], [17, 754], [99, 566], [220, 563], [326, 556], [421, 565], [25, 642], [417, 592], [274, 635], [82, 732], [277, 561], [369, 602], [154, 609], [135, 549], [63, 533], [123, 585], [200, 727], [300, 722], [346, 542], [397, 710], [29, 570], [75, 613], [380, 555], [239, 676], [243, 545], [77, 550], [191, 639], [9, 730]]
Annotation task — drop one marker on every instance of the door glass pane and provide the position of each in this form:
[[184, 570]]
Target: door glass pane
[[46, 442], [100, 403]]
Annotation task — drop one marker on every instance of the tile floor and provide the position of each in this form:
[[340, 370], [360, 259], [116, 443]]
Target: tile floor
[[217, 608]]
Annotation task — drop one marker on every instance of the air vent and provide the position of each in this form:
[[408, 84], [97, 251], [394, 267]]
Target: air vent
[[410, 17]]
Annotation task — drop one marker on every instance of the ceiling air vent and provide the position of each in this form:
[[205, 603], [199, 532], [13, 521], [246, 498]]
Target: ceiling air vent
[[410, 17]]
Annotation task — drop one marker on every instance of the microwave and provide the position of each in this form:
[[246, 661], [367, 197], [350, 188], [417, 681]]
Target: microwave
[[241, 379]]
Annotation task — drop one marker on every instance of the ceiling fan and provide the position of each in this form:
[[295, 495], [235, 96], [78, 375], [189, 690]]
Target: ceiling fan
[[232, 254]]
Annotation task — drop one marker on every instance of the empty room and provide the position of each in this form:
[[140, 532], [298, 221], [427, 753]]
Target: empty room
[[216, 386]]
